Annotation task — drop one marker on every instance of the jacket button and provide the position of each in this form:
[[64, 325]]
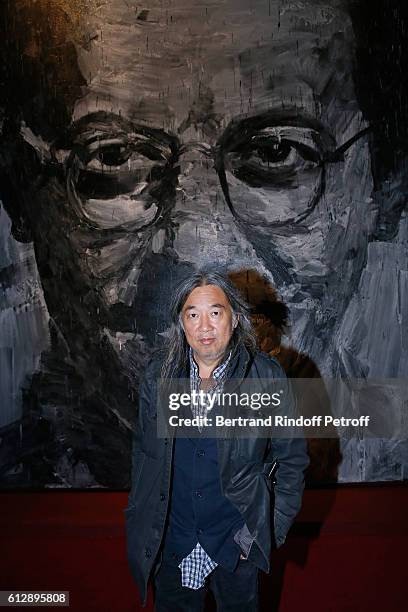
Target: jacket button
[[166, 441], [162, 497], [148, 552], [199, 494], [201, 453]]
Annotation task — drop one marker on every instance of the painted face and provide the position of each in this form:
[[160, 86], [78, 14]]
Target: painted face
[[142, 143], [201, 135], [208, 323]]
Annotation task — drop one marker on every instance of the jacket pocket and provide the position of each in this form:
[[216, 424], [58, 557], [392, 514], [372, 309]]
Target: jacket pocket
[[244, 539]]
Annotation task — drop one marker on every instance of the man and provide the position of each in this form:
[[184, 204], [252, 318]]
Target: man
[[199, 508], [141, 142]]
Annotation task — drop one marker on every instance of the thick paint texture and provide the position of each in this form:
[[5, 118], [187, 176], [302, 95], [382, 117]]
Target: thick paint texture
[[139, 143]]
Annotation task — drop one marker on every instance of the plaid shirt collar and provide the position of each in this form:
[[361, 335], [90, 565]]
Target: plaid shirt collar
[[218, 374]]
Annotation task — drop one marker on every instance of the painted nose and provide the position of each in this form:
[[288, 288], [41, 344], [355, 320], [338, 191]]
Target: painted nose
[[200, 231], [204, 228]]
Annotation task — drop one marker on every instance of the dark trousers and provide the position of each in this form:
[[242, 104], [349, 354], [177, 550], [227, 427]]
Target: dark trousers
[[233, 591]]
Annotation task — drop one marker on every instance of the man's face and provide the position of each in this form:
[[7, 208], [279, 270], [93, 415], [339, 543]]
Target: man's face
[[202, 136], [208, 322]]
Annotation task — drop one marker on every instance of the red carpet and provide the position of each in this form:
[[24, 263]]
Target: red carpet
[[347, 552]]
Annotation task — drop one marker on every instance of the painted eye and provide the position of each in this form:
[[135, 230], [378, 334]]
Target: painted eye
[[115, 155], [268, 151], [119, 182], [268, 160], [120, 163], [274, 175]]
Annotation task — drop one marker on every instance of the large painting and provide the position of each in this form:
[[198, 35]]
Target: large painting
[[141, 141]]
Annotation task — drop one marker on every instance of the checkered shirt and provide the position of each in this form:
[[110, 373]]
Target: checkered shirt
[[197, 565], [198, 408]]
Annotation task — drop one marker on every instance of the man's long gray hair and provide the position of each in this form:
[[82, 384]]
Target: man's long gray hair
[[176, 347]]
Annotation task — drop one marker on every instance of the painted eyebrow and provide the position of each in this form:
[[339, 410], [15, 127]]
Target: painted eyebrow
[[212, 306], [241, 128], [93, 125]]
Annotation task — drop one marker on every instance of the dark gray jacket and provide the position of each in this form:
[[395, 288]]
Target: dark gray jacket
[[243, 463]]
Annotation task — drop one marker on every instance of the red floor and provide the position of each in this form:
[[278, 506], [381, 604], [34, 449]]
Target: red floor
[[347, 552]]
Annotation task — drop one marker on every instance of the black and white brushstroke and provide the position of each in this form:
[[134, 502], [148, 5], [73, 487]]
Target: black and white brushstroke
[[142, 141]]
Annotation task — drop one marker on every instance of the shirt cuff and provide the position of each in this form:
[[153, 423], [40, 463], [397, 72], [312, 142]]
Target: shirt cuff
[[244, 539]]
